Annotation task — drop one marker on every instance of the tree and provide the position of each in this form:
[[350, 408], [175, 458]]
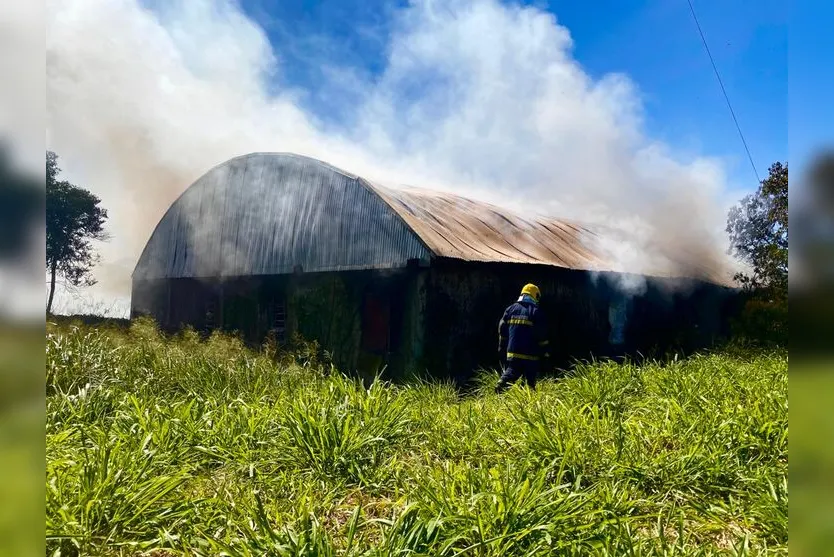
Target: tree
[[758, 229], [73, 219]]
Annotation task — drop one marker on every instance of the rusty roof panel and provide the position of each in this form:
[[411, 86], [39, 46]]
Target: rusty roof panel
[[460, 228]]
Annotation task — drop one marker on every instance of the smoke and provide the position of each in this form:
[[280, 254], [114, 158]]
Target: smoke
[[477, 97]]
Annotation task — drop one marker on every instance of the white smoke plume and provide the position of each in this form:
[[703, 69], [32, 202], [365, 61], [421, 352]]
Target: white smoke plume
[[477, 97]]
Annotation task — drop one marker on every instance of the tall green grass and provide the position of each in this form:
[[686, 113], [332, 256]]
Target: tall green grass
[[163, 446]]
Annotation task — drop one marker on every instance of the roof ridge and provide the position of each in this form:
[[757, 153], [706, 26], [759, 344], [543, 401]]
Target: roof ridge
[[289, 154]]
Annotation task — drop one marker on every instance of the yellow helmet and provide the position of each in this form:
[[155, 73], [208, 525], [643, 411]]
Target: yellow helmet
[[533, 291]]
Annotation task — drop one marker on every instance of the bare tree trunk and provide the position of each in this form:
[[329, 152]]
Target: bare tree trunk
[[51, 287]]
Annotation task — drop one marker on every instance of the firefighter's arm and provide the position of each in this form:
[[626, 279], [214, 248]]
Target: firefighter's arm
[[542, 335], [503, 333]]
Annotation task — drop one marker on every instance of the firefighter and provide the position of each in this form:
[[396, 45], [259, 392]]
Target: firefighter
[[522, 339]]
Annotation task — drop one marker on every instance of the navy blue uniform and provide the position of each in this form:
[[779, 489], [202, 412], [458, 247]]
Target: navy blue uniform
[[522, 339]]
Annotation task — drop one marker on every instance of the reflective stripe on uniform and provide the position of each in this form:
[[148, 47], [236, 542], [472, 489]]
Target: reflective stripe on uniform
[[519, 321], [544, 343], [516, 356]]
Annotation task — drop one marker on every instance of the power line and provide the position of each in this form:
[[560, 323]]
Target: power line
[[723, 90]]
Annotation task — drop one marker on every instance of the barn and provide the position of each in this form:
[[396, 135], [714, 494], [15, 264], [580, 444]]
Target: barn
[[402, 278]]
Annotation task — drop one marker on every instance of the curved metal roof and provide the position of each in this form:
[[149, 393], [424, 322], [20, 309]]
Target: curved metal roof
[[272, 213], [268, 214]]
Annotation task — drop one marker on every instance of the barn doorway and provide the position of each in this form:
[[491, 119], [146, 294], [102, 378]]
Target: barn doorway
[[375, 342]]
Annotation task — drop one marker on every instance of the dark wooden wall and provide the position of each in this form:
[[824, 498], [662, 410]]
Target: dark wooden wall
[[442, 321], [466, 300], [365, 320]]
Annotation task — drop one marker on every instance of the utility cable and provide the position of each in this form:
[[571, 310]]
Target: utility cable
[[723, 90]]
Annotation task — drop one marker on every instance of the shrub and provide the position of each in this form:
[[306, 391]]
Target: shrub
[[763, 321]]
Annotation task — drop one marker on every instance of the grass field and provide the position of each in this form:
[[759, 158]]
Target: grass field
[[180, 446]]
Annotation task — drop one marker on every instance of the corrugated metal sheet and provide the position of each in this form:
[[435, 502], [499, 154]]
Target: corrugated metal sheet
[[268, 213], [460, 228]]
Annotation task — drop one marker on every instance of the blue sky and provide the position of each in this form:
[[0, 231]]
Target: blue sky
[[654, 42], [811, 80]]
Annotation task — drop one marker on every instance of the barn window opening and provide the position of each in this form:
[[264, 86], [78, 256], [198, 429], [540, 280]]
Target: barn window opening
[[278, 327], [210, 317]]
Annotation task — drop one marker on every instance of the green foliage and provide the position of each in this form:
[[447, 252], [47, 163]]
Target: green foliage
[[184, 446], [343, 431], [73, 219], [763, 321], [758, 229]]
